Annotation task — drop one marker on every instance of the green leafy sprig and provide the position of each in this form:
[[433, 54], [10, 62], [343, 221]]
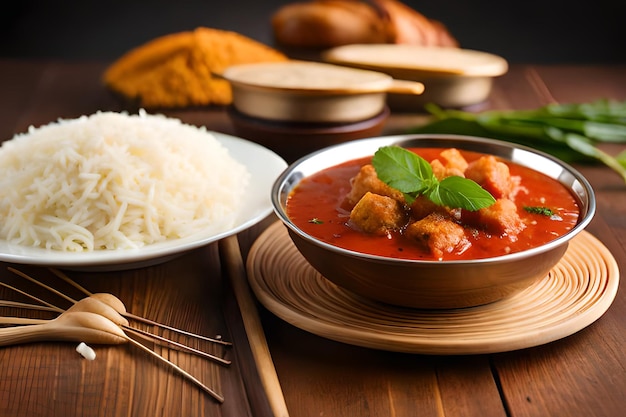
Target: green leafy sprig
[[543, 211], [570, 132], [413, 176]]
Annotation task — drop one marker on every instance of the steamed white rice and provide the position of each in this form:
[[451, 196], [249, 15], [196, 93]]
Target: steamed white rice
[[116, 181]]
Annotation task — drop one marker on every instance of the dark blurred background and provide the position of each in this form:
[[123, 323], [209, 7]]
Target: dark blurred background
[[530, 31]]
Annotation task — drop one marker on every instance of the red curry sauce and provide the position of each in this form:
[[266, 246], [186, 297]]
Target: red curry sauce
[[315, 206]]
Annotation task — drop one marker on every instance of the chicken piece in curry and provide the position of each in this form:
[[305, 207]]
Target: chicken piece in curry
[[376, 208]]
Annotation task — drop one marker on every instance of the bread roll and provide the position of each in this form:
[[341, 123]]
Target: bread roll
[[410, 27], [329, 23]]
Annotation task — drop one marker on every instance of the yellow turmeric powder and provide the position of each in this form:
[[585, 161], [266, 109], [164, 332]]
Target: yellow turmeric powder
[[177, 70]]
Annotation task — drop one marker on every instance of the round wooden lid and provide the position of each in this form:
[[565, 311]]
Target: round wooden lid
[[420, 59], [307, 76]]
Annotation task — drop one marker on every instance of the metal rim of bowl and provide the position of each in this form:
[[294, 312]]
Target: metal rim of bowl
[[332, 155]]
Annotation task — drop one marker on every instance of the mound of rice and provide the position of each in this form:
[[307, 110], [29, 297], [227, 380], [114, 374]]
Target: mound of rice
[[116, 181]]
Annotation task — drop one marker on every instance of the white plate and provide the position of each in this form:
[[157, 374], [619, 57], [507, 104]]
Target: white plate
[[264, 167]]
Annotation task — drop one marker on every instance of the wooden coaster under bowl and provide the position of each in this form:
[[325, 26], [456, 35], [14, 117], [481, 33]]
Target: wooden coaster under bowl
[[578, 290]]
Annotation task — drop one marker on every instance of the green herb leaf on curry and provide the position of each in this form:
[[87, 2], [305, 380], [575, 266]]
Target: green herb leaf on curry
[[403, 170], [543, 211], [412, 175], [460, 192]]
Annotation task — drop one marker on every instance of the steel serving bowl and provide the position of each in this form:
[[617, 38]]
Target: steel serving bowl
[[423, 283]]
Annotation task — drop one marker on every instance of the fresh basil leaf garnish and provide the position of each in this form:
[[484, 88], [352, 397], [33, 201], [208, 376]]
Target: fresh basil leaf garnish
[[459, 192], [413, 175], [403, 170]]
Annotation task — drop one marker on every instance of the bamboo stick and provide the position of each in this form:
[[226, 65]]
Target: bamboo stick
[[253, 327]]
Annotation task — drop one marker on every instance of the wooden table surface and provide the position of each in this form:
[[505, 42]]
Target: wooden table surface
[[581, 375]]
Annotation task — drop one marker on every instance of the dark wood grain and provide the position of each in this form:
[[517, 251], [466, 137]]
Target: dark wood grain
[[581, 375], [187, 293]]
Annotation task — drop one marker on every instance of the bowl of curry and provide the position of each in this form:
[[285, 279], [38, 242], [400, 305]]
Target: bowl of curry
[[432, 221]]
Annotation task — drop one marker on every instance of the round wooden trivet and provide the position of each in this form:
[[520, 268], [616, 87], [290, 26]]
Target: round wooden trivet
[[578, 290]]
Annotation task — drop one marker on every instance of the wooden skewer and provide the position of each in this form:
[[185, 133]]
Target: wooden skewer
[[123, 312], [206, 389], [120, 309], [88, 327], [144, 320], [107, 299], [252, 324], [174, 329], [47, 304], [90, 320], [17, 304], [169, 342]]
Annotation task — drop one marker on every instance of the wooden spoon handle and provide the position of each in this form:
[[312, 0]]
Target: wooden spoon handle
[[69, 327], [406, 87], [24, 334], [21, 320], [50, 332], [396, 86]]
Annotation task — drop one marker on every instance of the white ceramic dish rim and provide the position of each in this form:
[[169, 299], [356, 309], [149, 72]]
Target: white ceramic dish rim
[[263, 165], [335, 155]]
